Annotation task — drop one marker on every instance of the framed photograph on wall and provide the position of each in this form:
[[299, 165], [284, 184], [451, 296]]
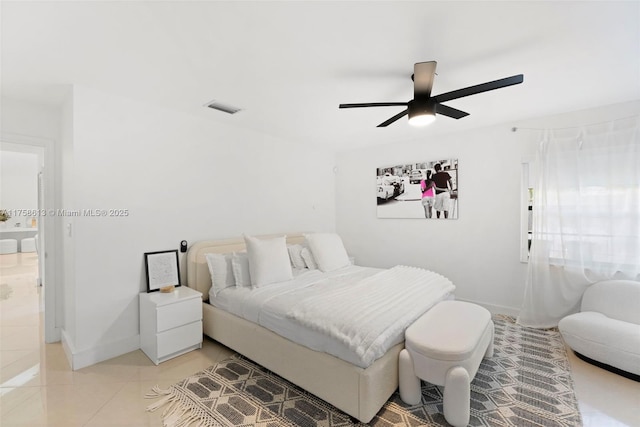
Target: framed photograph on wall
[[162, 269], [426, 189]]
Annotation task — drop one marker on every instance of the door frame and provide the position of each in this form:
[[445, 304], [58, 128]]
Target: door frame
[[46, 228]]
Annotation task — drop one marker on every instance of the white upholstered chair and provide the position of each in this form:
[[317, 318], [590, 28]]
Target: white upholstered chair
[[607, 328]]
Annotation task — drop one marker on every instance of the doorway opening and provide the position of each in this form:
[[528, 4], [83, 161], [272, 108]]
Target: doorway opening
[[27, 256]]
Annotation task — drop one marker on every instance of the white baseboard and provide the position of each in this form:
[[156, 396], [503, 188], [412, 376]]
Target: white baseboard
[[496, 309], [67, 346], [81, 359]]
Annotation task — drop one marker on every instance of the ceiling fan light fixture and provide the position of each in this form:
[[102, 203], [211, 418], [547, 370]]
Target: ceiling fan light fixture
[[421, 113], [422, 120]]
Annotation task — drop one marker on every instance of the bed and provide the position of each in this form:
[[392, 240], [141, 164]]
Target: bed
[[358, 388]]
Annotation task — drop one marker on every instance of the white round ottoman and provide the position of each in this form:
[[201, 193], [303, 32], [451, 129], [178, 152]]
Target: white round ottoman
[[8, 246], [445, 347], [28, 245]]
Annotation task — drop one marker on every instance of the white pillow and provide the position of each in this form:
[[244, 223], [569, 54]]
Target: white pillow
[[327, 250], [308, 259], [240, 266], [221, 272], [268, 260], [295, 253]]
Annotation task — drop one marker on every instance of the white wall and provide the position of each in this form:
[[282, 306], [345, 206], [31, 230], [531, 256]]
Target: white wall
[[19, 187], [479, 252], [26, 118], [179, 177]]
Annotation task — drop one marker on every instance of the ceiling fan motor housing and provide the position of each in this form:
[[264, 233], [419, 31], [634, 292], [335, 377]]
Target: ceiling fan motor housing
[[422, 107]]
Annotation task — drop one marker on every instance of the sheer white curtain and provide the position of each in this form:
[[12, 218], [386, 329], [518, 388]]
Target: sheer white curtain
[[586, 217]]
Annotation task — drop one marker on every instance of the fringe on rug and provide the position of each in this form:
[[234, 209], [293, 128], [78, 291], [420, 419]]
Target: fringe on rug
[[178, 413]]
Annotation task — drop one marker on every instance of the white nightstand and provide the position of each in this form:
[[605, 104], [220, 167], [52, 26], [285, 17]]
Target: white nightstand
[[170, 323]]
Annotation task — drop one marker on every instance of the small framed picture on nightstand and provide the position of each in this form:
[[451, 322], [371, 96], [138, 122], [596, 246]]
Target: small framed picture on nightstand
[[162, 269]]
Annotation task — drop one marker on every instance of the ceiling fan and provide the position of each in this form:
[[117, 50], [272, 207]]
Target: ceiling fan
[[423, 107]]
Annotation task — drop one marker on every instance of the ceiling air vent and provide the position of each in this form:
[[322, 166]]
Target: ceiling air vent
[[223, 107]]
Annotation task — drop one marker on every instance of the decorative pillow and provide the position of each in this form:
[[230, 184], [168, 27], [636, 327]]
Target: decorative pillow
[[308, 259], [221, 272], [295, 253], [327, 250], [268, 260], [240, 266]]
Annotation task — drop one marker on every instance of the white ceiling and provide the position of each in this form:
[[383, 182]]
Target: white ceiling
[[289, 64]]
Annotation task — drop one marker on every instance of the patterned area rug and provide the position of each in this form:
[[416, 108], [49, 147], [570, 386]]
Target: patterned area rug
[[526, 383]]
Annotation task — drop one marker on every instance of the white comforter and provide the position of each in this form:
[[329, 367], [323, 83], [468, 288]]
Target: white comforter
[[368, 316], [355, 313]]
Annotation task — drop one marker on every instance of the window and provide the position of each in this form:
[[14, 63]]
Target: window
[[586, 215]]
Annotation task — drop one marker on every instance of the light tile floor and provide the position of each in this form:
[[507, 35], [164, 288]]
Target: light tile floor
[[37, 387]]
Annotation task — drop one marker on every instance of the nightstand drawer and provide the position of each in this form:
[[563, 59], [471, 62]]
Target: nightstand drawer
[[180, 313], [179, 338]]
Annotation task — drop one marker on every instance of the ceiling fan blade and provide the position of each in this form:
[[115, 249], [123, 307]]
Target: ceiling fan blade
[[393, 119], [373, 104], [484, 87], [450, 112], [423, 73]]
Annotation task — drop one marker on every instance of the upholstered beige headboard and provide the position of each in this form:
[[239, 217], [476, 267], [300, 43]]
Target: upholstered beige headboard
[[198, 276]]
